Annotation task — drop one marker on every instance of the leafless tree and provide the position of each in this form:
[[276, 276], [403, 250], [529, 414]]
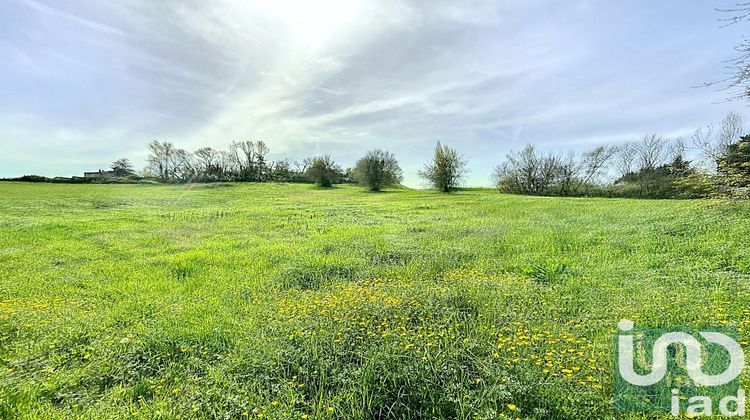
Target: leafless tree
[[302, 165], [250, 160], [183, 165], [714, 145], [527, 172], [625, 159], [207, 158], [736, 82], [568, 173], [651, 151], [281, 171], [259, 160], [209, 163], [595, 163], [229, 164], [161, 159], [676, 149], [731, 130]]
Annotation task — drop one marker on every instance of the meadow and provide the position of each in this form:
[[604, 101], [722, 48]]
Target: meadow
[[290, 301]]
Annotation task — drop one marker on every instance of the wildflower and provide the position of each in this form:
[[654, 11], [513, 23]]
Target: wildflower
[[512, 407]]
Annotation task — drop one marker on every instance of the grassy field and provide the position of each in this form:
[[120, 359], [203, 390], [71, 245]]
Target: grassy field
[[287, 301]]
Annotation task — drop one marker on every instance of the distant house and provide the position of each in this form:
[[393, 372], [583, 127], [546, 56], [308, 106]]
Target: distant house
[[99, 174]]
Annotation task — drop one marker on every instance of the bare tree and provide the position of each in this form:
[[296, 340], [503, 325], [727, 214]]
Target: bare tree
[[208, 163], [568, 173], [249, 158], [651, 151], [161, 159], [237, 156], [625, 159], [737, 81], [229, 164], [714, 146], [206, 158], [259, 160], [281, 171], [731, 130], [593, 165], [527, 172], [702, 140], [183, 165], [303, 165]]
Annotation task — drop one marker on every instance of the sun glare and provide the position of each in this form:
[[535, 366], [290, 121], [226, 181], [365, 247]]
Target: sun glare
[[313, 23]]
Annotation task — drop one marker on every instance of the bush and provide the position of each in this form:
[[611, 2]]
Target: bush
[[664, 181], [571, 175], [377, 169], [323, 171], [32, 178], [446, 169], [526, 172]]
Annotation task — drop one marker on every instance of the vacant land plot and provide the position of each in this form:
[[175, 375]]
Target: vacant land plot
[[232, 300]]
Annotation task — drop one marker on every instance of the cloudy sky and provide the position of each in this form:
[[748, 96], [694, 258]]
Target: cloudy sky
[[83, 83]]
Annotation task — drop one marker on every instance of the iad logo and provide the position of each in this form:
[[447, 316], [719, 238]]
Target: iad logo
[[681, 372]]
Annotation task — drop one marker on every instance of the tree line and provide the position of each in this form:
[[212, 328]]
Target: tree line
[[652, 167], [247, 161]]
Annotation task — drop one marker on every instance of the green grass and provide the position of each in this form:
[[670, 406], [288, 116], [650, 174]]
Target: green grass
[[231, 300]]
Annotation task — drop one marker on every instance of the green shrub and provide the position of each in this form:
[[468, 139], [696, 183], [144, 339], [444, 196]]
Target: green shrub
[[378, 169], [446, 169], [323, 171]]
